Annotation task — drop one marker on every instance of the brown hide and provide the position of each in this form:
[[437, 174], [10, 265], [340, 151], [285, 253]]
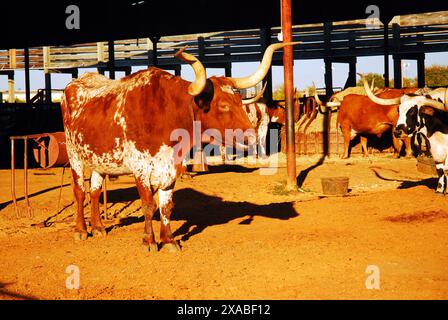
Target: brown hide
[[153, 103], [359, 113]]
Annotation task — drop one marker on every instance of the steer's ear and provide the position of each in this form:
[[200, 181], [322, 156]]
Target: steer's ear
[[203, 100], [427, 110]]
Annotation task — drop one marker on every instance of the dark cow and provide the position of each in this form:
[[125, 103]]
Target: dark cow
[[358, 114], [427, 116], [135, 125]]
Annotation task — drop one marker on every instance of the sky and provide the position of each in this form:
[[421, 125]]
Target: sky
[[305, 72]]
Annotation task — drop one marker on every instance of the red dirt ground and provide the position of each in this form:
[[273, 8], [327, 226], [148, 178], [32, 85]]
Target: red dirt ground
[[242, 237]]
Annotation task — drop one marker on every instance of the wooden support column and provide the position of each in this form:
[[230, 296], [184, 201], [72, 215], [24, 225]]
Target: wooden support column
[[328, 77], [111, 62], [397, 72], [47, 66], [11, 91], [351, 81], [201, 48], [27, 76], [327, 60], [228, 67], [397, 58], [386, 51], [152, 58], [291, 180], [12, 66], [265, 36], [47, 86], [421, 71], [177, 70]]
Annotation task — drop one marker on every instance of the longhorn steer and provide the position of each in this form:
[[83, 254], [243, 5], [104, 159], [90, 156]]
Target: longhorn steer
[[427, 116], [359, 114], [135, 125]]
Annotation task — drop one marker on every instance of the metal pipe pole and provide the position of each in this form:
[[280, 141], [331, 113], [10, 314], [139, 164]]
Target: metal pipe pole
[[13, 179], [25, 176], [106, 217], [289, 96]]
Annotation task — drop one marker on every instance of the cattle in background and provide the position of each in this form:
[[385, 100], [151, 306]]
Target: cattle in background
[[126, 126], [358, 114], [261, 115], [427, 116]]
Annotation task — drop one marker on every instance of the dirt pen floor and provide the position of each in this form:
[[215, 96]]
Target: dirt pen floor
[[242, 237]]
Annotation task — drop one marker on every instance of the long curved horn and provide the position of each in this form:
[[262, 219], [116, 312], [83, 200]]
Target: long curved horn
[[372, 85], [316, 97], [255, 78], [196, 87], [374, 98], [256, 98], [434, 103], [329, 104]]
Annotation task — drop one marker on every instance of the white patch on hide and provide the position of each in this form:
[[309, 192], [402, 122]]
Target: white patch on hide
[[96, 181], [165, 198], [439, 146]]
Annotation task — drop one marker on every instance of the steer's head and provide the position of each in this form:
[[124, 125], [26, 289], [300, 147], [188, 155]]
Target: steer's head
[[412, 112], [217, 103]]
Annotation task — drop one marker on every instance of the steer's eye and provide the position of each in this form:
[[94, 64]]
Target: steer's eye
[[224, 108]]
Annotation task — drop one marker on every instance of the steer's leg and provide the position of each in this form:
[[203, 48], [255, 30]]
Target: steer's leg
[[347, 135], [165, 207], [149, 206], [408, 148], [441, 185], [222, 150], [80, 196], [364, 146], [398, 143], [262, 133], [96, 182]]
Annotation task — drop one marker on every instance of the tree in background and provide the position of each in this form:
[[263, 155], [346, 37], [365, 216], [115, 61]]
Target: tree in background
[[379, 80], [407, 83], [436, 76], [279, 93]]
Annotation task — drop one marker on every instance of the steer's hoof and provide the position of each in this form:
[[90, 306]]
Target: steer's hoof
[[172, 247], [152, 247], [99, 233], [80, 236]]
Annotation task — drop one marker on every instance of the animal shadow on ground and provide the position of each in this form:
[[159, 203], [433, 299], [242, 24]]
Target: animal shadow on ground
[[431, 183], [224, 168], [200, 211], [5, 204], [12, 295]]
